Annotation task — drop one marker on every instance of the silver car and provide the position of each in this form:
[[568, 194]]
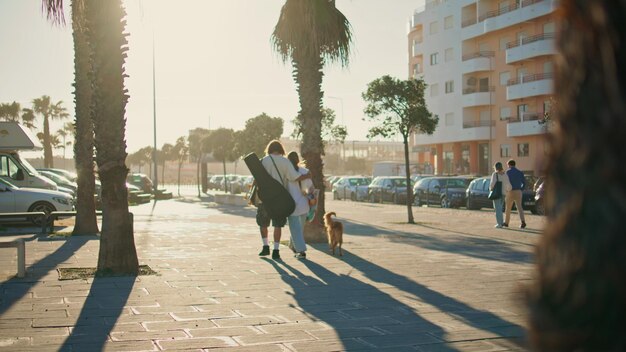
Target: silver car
[[351, 187], [14, 199]]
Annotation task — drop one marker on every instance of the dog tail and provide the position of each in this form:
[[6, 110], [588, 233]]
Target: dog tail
[[331, 213]]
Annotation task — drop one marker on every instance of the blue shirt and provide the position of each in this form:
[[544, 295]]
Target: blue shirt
[[516, 177]]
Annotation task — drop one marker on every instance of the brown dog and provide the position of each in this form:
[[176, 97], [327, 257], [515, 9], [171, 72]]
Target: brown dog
[[334, 230]]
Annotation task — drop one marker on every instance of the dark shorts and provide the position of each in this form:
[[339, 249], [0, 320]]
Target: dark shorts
[[263, 219]]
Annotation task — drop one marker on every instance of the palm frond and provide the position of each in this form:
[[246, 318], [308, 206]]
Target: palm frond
[[54, 11]]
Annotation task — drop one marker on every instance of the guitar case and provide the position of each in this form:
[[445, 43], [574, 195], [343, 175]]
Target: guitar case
[[276, 199]]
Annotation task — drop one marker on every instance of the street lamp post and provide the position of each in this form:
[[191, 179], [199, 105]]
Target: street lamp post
[[154, 150]]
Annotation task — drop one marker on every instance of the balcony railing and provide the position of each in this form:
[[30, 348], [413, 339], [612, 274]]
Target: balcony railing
[[481, 123], [496, 13], [527, 116], [528, 40], [478, 54], [530, 78], [483, 89]]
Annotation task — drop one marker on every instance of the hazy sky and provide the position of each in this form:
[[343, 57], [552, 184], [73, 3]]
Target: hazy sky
[[214, 63]]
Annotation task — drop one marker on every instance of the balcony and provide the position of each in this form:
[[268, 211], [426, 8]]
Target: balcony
[[506, 17], [477, 62], [478, 96], [530, 47], [528, 125], [530, 86], [477, 130]]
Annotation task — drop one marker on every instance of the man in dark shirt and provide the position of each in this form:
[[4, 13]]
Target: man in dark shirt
[[518, 182]]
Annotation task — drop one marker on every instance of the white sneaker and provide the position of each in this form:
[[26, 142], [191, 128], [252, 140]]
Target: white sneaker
[[498, 226]]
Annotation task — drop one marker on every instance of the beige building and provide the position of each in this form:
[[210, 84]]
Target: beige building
[[488, 65]]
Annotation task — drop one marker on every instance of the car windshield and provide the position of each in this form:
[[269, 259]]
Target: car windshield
[[29, 168], [457, 183], [359, 182]]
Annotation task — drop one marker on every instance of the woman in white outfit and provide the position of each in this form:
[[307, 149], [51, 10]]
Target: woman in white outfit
[[298, 189]]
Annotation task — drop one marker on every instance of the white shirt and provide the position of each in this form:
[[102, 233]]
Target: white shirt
[[502, 177], [284, 166], [302, 202]]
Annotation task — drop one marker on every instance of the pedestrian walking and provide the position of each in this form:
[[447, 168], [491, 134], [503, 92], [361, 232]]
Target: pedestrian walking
[[298, 190], [518, 182], [505, 186], [281, 169]]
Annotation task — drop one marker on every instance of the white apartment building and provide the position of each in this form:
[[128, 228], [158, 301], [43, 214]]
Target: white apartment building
[[488, 66]]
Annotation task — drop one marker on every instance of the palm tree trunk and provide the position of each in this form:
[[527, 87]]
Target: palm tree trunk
[[307, 72], [86, 222], [118, 254], [180, 165], [47, 145]]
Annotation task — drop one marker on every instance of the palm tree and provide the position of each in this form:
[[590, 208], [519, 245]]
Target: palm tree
[[180, 152], [50, 111], [310, 33], [108, 46], [28, 118], [165, 155]]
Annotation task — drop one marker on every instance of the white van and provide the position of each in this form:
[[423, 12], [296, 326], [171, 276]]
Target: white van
[[13, 139]]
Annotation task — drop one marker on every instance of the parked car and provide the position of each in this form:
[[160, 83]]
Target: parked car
[[14, 199], [72, 176], [388, 188], [216, 182], [446, 191], [351, 187], [540, 192], [142, 181], [478, 190], [61, 181]]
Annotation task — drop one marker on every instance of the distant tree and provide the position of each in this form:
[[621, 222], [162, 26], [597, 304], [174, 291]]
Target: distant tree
[[403, 110], [10, 112], [330, 131], [66, 134], [49, 111], [165, 154], [28, 118], [221, 143], [180, 152], [195, 150], [259, 131]]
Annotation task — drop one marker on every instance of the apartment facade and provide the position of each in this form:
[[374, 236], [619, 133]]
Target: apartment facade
[[488, 65]]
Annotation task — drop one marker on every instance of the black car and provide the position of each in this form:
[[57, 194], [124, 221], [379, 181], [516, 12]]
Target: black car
[[478, 190], [388, 188], [448, 192]]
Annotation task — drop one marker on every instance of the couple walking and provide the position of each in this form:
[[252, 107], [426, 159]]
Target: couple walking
[[297, 180], [513, 183]]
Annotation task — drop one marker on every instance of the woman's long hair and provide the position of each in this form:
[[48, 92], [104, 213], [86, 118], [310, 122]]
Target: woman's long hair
[[295, 159]]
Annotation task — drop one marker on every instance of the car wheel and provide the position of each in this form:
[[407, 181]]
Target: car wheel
[[41, 206], [335, 195], [353, 197], [468, 204], [444, 202], [540, 208]]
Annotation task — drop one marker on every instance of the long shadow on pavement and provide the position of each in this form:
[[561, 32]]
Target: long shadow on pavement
[[104, 305], [13, 290], [479, 319], [476, 247], [361, 315]]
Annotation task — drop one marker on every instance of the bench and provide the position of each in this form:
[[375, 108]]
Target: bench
[[55, 215], [28, 215], [21, 253]]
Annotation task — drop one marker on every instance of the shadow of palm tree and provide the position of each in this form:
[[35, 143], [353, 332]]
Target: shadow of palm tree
[[461, 311], [104, 305], [13, 290], [463, 244], [361, 315]]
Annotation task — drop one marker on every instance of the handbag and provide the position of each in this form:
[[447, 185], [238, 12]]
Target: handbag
[[496, 192]]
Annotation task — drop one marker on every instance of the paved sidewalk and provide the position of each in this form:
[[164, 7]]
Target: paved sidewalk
[[448, 283]]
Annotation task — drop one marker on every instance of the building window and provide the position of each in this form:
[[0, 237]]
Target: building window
[[449, 87], [505, 113], [448, 55], [434, 27], [505, 150], [448, 22], [450, 119], [434, 58], [504, 78], [434, 90], [523, 149], [521, 109]]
